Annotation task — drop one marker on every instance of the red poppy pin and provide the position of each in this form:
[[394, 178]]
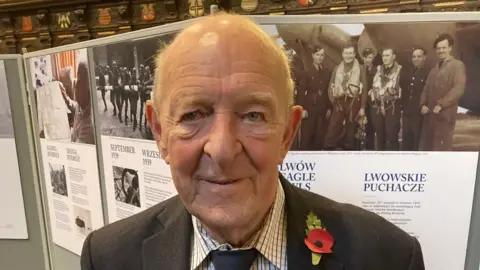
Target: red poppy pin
[[318, 240]]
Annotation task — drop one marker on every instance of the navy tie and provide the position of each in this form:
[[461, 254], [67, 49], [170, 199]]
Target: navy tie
[[233, 259]]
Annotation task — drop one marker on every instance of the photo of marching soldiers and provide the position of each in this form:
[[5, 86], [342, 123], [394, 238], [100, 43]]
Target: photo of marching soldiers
[[62, 95], [385, 87], [124, 80]]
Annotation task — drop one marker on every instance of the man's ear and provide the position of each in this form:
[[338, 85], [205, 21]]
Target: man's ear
[[293, 122], [154, 122]]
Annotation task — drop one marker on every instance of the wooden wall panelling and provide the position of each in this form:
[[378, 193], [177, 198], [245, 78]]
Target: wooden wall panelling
[[450, 6], [3, 45], [151, 13], [31, 31], [257, 7], [109, 19], [317, 6], [399, 7], [423, 2], [363, 4], [69, 25], [224, 5], [8, 42], [188, 9]]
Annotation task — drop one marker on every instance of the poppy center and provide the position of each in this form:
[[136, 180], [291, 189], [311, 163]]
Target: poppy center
[[318, 243]]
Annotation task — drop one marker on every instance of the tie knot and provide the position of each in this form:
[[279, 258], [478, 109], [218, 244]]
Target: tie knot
[[233, 259]]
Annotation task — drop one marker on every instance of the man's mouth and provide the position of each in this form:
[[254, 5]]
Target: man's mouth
[[219, 181]]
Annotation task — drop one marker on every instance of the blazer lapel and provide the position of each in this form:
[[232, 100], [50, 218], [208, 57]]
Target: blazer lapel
[[169, 246], [297, 209]]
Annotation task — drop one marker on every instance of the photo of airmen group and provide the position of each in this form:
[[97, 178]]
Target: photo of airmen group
[[385, 87], [124, 81], [62, 92]]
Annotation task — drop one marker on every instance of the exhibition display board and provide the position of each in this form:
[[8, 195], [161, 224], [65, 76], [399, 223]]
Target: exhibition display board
[[61, 87], [23, 232], [376, 140], [136, 177], [13, 224], [371, 146]]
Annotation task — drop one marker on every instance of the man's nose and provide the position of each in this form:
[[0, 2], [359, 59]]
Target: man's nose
[[223, 144]]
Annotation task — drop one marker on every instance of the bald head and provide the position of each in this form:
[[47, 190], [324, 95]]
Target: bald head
[[230, 43]]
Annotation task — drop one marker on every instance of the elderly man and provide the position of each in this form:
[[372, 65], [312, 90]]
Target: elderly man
[[439, 100], [223, 121]]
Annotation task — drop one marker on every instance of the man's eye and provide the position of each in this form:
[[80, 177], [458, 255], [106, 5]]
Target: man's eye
[[192, 116], [254, 117]]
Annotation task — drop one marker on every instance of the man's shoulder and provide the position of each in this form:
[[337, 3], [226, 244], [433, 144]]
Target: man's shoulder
[[124, 238], [138, 222], [345, 211], [458, 63], [355, 228]]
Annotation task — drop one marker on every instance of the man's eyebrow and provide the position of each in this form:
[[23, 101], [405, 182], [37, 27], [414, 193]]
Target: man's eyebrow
[[258, 98], [198, 97], [184, 99]]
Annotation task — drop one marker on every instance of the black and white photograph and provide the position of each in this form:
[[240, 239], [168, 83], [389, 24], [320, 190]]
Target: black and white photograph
[[59, 179], [126, 185], [83, 220], [6, 124], [124, 82], [62, 92], [385, 86]]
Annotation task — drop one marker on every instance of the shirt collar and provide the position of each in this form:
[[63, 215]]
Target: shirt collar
[[264, 240]]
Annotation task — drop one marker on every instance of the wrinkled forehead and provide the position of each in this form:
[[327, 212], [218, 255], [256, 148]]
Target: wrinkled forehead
[[217, 50]]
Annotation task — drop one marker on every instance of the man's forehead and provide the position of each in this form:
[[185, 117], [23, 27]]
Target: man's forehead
[[221, 44], [217, 47]]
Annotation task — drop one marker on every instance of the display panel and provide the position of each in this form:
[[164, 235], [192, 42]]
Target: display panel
[[366, 138], [13, 224], [407, 91], [135, 174], [62, 92], [385, 168]]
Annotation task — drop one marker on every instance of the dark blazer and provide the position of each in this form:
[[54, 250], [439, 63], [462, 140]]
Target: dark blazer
[[412, 83], [313, 91], [160, 238]]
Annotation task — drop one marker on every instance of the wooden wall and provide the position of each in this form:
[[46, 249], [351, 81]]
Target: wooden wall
[[40, 24]]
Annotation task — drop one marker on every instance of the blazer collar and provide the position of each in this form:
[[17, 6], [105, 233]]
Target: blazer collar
[[169, 246], [299, 256]]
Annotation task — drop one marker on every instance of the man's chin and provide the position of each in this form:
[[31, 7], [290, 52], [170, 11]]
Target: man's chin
[[219, 217]]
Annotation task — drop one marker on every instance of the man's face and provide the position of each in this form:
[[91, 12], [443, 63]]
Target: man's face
[[388, 57], [348, 55], [418, 58], [443, 49], [368, 59], [223, 127], [318, 57]]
